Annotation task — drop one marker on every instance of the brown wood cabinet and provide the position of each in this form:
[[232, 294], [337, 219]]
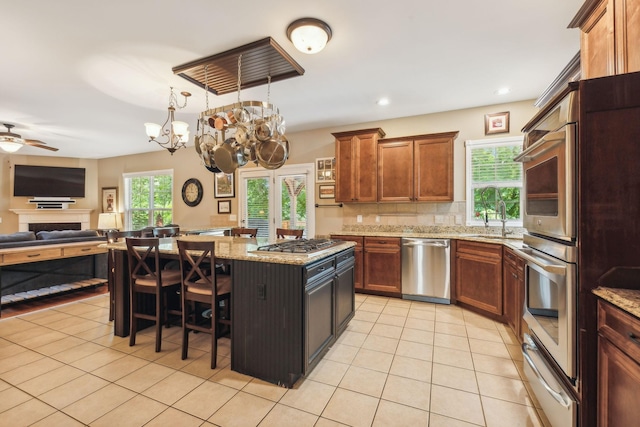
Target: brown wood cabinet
[[382, 265], [416, 168], [610, 38], [513, 283], [479, 277], [356, 160], [358, 251], [618, 367]]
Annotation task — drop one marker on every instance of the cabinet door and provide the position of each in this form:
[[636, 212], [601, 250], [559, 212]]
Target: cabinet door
[[358, 255], [395, 171], [320, 318], [345, 169], [356, 165], [618, 384], [597, 46], [510, 282], [479, 276], [627, 36], [345, 301], [367, 174], [382, 268], [433, 164]]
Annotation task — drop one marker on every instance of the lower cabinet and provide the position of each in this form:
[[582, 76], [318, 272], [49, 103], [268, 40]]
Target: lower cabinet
[[618, 367], [479, 277], [285, 317], [320, 319], [358, 257], [382, 265], [377, 268], [513, 284]]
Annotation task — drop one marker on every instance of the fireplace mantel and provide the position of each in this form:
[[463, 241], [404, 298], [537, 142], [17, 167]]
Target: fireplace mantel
[[34, 216]]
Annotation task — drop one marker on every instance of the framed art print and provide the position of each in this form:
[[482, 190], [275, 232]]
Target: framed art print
[[496, 123], [109, 199], [224, 186], [327, 191], [224, 206]]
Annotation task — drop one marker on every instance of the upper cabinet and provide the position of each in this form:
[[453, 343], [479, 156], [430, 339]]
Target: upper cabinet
[[610, 39], [416, 168], [356, 160]]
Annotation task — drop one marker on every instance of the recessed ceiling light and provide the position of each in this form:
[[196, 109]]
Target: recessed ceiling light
[[383, 101], [503, 91]]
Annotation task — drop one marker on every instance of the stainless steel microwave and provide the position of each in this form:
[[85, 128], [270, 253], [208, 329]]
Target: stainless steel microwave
[[549, 171]]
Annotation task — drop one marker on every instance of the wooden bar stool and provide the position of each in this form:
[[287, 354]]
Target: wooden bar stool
[[201, 288], [241, 232], [283, 233], [147, 277]]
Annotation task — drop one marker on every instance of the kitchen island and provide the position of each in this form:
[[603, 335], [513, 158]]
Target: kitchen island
[[286, 309]]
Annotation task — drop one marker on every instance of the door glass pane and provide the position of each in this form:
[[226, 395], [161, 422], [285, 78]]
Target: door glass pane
[[293, 201], [542, 301], [257, 205]]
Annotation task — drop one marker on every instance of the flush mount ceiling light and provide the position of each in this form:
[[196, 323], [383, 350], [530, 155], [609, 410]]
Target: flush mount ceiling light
[[309, 35], [502, 91], [175, 133]]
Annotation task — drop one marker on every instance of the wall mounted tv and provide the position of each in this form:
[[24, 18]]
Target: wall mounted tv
[[48, 181]]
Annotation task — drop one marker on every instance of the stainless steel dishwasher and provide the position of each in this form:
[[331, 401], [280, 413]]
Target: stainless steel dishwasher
[[425, 270]]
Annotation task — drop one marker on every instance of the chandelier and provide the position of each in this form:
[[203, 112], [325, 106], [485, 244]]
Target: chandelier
[[173, 134], [233, 135]]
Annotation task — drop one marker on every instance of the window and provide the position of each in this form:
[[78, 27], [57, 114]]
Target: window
[[148, 199], [490, 166]]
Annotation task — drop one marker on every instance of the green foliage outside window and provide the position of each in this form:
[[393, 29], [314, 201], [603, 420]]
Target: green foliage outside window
[[150, 199], [494, 166]]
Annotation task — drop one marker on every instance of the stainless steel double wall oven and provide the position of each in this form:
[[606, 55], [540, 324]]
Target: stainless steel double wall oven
[[549, 167]]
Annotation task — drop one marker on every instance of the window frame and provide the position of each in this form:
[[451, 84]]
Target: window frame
[[490, 143], [152, 210]]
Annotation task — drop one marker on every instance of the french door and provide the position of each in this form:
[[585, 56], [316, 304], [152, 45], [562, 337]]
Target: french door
[[281, 198]]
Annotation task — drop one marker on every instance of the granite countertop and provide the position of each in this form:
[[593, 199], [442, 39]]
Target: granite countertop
[[626, 299], [514, 241], [242, 248]]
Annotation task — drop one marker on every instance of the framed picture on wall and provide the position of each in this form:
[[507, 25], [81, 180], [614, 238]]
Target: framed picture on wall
[[224, 206], [109, 199], [496, 123], [326, 169], [224, 186], [327, 191]]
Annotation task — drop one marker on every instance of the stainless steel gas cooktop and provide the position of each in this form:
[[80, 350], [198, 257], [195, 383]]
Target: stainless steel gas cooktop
[[299, 246]]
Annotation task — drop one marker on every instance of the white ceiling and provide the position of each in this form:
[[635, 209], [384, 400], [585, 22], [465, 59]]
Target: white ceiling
[[83, 76]]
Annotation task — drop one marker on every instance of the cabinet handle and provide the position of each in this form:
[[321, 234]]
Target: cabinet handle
[[633, 338], [514, 275], [33, 255], [322, 268]]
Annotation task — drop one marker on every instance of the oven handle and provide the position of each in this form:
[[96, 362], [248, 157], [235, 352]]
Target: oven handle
[[550, 268], [559, 397], [528, 154]]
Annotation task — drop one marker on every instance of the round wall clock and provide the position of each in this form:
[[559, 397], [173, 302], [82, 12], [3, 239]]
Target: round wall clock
[[192, 192]]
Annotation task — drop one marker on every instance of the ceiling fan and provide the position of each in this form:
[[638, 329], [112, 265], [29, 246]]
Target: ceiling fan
[[12, 142]]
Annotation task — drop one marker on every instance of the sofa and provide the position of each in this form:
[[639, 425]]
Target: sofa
[[37, 279], [29, 238]]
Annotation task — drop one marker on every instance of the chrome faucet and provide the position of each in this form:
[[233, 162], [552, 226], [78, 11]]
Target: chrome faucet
[[501, 209]]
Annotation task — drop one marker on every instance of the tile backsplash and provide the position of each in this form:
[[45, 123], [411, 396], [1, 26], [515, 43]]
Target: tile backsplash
[[413, 214]]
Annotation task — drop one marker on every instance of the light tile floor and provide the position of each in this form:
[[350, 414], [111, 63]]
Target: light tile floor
[[399, 363]]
